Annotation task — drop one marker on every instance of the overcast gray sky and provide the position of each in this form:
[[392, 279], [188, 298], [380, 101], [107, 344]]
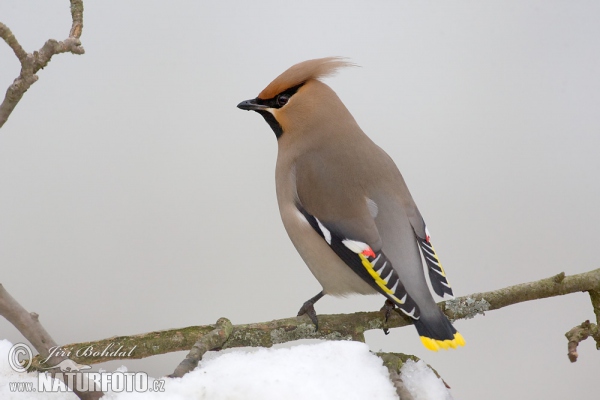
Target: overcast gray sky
[[135, 196]]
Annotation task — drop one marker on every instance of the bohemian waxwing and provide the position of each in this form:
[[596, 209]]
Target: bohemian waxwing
[[345, 205]]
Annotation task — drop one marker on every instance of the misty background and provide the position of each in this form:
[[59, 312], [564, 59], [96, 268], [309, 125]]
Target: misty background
[[135, 196]]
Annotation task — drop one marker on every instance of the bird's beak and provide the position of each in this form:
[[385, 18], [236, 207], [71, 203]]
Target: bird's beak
[[251, 105]]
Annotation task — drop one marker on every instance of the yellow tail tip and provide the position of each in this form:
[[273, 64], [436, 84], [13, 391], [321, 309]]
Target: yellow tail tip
[[435, 345], [430, 344]]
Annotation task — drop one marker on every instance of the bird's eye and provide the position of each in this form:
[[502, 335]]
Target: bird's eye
[[282, 99]]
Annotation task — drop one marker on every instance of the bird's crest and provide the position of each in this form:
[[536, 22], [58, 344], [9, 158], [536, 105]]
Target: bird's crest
[[302, 72]]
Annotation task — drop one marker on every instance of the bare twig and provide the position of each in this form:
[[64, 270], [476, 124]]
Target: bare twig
[[31, 63], [595, 298], [12, 41], [77, 17], [578, 335], [210, 341], [331, 327], [29, 325], [585, 330], [555, 286]]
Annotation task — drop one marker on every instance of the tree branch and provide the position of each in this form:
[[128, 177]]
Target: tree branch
[[331, 327], [595, 298], [585, 330], [578, 335], [211, 341], [11, 40], [555, 286], [31, 63], [29, 325]]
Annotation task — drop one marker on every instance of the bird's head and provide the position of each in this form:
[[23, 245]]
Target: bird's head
[[297, 100]]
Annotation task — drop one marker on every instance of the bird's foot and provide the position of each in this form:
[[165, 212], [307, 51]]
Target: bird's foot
[[308, 308], [387, 309]]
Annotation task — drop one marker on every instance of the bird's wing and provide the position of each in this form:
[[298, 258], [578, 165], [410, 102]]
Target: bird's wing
[[332, 196], [370, 264], [402, 197], [437, 275]]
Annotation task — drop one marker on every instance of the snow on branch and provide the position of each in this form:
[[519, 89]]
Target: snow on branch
[[336, 327], [395, 362], [31, 63]]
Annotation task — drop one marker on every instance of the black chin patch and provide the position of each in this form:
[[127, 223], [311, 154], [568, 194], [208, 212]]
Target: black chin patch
[[272, 122]]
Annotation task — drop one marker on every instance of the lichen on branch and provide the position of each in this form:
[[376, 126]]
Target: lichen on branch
[[333, 327]]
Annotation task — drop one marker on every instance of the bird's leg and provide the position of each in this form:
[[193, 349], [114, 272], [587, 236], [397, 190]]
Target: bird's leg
[[387, 309], [309, 309]]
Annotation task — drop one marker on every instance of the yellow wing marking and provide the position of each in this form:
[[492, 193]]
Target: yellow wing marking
[[380, 282], [438, 261]]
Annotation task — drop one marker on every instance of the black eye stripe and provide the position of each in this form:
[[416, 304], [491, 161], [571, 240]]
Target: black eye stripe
[[275, 103]]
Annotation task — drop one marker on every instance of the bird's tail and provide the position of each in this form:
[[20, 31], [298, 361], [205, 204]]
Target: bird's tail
[[437, 332]]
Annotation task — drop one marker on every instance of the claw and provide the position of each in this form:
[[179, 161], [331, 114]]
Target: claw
[[308, 308], [387, 308]]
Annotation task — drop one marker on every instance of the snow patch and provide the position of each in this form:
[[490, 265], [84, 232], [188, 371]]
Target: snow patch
[[422, 382], [327, 370]]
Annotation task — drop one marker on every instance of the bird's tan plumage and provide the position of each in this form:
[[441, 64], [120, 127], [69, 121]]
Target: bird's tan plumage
[[303, 72], [345, 205]]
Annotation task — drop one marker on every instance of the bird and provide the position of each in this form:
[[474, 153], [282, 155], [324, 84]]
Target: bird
[[345, 205]]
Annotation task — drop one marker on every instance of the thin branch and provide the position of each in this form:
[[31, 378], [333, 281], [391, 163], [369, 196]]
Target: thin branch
[[11, 40], [331, 327], [211, 341], [585, 330], [31, 63], [555, 286], [595, 298], [578, 335], [77, 17], [29, 325]]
